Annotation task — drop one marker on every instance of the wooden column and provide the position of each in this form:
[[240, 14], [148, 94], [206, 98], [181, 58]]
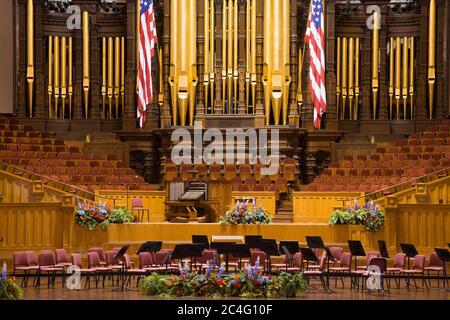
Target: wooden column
[[78, 103], [383, 92], [200, 105], [129, 116], [166, 119], [293, 117], [447, 60], [441, 78], [21, 77], [366, 75], [259, 118], [218, 46], [95, 70], [40, 92], [330, 58], [422, 65]]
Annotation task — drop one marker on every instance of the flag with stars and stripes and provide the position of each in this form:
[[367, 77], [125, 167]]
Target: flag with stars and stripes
[[147, 43], [315, 39]]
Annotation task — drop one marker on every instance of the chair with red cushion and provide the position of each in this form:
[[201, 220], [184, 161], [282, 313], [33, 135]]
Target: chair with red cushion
[[62, 259], [146, 262], [343, 269], [100, 269], [47, 265], [76, 261], [101, 254], [319, 272], [418, 269], [435, 265], [137, 205], [20, 263]]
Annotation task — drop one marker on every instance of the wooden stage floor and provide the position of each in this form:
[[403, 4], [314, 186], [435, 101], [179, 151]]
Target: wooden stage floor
[[315, 293]]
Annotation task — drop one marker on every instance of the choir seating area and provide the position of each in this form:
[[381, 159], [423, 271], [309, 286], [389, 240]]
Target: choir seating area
[[39, 155], [387, 168]]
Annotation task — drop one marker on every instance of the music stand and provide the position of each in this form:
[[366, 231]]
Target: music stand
[[357, 250], [225, 248], [314, 242], [444, 255], [308, 255], [383, 249], [197, 250], [288, 255], [150, 246], [253, 241], [120, 256], [410, 251], [241, 250], [269, 246], [292, 246], [183, 251], [200, 239], [331, 258]]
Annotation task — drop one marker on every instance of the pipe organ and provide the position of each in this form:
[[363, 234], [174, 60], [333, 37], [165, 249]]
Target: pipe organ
[[248, 56]]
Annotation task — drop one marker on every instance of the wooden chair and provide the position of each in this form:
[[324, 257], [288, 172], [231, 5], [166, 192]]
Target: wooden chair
[[137, 205]]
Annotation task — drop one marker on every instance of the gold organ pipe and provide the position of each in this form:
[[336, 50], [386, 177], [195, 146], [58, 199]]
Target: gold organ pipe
[[357, 92], [397, 74], [30, 54], [122, 73], [206, 51], [212, 39], [224, 53], [50, 76], [344, 74], [86, 60], [63, 76], [253, 53], [411, 77], [104, 83], [110, 90], [351, 75], [235, 54], [193, 59], [431, 55], [173, 60], [230, 55], [267, 58], [391, 76], [286, 14], [405, 75], [338, 74], [56, 65], [276, 56], [117, 73], [300, 80], [183, 56], [161, 83], [70, 87], [375, 61]]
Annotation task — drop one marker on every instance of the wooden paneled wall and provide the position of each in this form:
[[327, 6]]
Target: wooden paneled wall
[[317, 206]]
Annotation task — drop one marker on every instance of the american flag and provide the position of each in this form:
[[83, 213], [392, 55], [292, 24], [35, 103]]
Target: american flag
[[147, 42], [315, 39]]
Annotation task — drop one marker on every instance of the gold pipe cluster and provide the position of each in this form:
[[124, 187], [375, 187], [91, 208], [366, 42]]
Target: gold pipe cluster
[[183, 59], [431, 55], [250, 74], [113, 76], [60, 76], [347, 77], [401, 76], [30, 54], [276, 74], [300, 80]]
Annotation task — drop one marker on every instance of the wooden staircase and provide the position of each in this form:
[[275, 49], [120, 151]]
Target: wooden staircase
[[285, 212]]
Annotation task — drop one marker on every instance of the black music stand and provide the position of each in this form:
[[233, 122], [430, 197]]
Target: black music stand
[[357, 250], [410, 251], [183, 251], [197, 250], [444, 255], [269, 246], [200, 239], [309, 256], [150, 246], [253, 241], [315, 242], [241, 250], [225, 248], [120, 256], [331, 258], [292, 246], [383, 249], [288, 255]]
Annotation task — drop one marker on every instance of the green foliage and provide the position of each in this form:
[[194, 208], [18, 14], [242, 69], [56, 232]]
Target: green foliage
[[93, 215], [120, 215], [154, 285], [368, 215], [291, 283]]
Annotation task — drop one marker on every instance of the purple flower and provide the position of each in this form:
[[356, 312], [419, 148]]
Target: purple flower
[[4, 271]]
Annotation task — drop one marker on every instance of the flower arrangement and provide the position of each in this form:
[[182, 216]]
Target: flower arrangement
[[250, 283], [245, 214], [368, 215], [99, 214], [9, 289]]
